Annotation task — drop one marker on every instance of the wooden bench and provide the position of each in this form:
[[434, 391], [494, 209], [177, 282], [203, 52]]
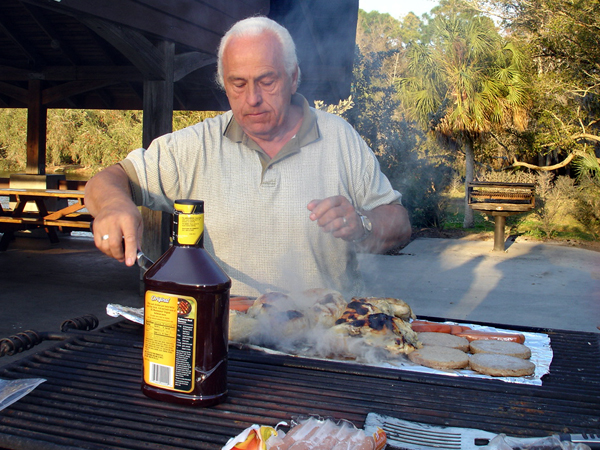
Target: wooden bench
[[71, 217]]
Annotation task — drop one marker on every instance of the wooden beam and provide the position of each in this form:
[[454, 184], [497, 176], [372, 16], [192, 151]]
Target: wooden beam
[[198, 24], [187, 63], [67, 90], [70, 73], [158, 120], [19, 94], [133, 45], [36, 130], [55, 40], [22, 43]]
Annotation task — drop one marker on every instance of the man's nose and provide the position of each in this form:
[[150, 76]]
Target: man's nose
[[254, 95]]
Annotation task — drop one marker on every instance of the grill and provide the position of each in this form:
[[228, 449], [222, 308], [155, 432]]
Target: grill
[[92, 399], [500, 200]]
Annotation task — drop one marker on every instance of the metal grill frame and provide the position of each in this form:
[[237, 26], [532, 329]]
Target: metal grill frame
[[492, 197], [92, 399], [500, 200]]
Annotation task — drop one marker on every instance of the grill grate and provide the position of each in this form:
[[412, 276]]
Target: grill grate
[[92, 399], [500, 200], [501, 197]]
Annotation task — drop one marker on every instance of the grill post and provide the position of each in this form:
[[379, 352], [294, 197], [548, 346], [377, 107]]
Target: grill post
[[499, 225], [500, 200]]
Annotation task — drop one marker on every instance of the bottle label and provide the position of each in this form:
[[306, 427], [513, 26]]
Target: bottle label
[[190, 228], [169, 336]]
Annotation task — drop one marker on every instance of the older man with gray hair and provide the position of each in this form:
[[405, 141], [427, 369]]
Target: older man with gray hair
[[291, 193]]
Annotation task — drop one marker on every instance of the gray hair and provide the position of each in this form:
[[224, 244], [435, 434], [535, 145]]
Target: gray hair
[[255, 26]]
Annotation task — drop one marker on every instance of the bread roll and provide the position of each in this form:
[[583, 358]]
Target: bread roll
[[441, 358], [502, 348], [444, 340], [501, 365]]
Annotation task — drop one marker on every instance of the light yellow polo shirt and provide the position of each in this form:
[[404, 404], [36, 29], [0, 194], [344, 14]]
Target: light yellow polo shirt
[[257, 223]]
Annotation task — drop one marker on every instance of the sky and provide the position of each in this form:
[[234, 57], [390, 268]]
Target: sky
[[397, 8]]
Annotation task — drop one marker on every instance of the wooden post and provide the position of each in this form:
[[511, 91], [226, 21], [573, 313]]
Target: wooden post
[[158, 120], [36, 130]]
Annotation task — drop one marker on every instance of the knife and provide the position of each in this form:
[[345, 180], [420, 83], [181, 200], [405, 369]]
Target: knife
[[420, 436]]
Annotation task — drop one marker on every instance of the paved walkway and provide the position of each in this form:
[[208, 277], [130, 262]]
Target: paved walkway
[[530, 284]]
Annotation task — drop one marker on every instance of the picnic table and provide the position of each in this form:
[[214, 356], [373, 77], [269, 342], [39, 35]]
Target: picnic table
[[70, 217]]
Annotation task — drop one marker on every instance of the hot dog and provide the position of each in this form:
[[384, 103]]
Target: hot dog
[[240, 303], [431, 327], [473, 335], [421, 326]]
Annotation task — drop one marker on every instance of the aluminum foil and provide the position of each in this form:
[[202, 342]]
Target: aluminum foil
[[133, 314], [538, 343]]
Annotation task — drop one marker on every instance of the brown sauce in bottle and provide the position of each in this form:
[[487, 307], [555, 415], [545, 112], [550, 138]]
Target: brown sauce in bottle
[[186, 323]]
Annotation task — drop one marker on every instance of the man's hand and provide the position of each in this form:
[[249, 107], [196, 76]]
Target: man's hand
[[117, 221], [336, 215]]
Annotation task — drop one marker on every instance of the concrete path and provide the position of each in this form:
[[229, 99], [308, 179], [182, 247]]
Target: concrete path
[[530, 284]]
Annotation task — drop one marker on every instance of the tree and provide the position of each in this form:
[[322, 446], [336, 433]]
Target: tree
[[562, 36], [464, 83]]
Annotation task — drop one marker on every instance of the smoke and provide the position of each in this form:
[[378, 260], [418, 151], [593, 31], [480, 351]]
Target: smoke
[[304, 324], [325, 37]]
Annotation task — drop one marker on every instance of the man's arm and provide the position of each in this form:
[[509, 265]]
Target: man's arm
[[391, 228], [336, 215], [117, 220]]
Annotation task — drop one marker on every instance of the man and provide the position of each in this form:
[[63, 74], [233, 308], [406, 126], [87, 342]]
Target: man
[[290, 193]]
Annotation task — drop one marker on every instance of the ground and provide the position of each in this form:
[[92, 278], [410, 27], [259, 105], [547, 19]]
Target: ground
[[457, 233]]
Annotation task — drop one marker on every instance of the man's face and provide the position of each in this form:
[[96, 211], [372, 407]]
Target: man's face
[[257, 86]]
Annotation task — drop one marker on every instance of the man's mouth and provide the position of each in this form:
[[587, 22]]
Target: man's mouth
[[256, 115]]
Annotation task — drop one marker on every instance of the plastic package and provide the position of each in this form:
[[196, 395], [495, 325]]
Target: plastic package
[[503, 442], [13, 390], [308, 433]]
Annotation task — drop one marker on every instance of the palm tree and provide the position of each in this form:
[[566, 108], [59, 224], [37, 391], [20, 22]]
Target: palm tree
[[463, 84]]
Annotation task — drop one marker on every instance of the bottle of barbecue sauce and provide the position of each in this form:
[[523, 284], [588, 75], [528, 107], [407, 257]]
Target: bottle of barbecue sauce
[[186, 317]]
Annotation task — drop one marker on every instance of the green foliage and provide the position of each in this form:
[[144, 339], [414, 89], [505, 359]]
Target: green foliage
[[13, 139], [587, 204], [587, 167], [464, 83], [561, 37], [554, 198], [423, 193], [93, 139]]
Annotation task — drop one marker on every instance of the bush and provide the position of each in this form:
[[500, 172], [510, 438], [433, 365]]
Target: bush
[[554, 198], [587, 204], [423, 187]]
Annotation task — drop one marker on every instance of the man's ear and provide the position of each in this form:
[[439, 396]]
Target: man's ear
[[295, 80]]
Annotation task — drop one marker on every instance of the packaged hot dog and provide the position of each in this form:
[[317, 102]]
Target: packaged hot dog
[[252, 438], [310, 433]]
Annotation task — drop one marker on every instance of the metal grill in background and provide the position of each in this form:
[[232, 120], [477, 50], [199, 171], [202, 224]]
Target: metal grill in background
[[500, 200], [93, 400]]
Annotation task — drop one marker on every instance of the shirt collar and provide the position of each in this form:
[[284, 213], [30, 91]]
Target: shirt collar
[[308, 132]]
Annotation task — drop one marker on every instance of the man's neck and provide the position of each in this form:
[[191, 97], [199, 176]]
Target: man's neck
[[272, 146]]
